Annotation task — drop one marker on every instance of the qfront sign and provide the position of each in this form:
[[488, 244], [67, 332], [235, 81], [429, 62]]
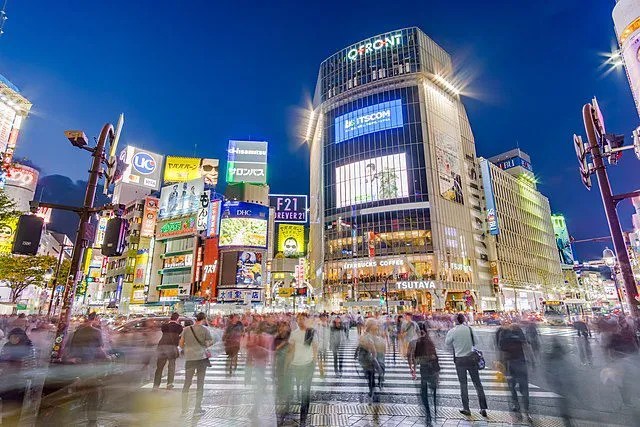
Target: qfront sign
[[429, 284], [374, 45]]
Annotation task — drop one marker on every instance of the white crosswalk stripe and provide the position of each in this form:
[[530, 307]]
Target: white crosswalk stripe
[[397, 380]]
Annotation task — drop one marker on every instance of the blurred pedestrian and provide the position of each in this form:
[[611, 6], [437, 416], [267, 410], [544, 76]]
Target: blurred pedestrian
[[584, 346], [168, 351], [337, 338], [231, 338], [258, 347], [359, 323], [533, 342], [21, 322], [324, 339], [195, 342], [366, 355], [425, 357], [409, 332], [280, 345], [511, 347], [17, 359], [559, 374], [461, 339]]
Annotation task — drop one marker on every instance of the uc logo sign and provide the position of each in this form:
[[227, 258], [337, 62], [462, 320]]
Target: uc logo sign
[[144, 163]]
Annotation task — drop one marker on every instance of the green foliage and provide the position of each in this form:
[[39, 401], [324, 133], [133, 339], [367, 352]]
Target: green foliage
[[19, 272], [7, 208]]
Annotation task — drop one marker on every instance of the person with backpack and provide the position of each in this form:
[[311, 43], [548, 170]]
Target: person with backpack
[[231, 338], [426, 359], [462, 341], [511, 343], [195, 342]]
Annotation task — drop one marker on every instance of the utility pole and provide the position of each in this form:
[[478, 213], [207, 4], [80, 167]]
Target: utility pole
[[82, 240], [55, 279], [596, 136]]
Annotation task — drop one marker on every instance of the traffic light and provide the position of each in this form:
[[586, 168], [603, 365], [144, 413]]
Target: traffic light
[[581, 153], [115, 237], [610, 142], [28, 233]]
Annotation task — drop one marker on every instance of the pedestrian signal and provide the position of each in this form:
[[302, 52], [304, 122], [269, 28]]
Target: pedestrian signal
[[28, 233], [115, 237]]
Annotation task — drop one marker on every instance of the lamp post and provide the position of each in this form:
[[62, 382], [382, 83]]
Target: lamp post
[[610, 261]]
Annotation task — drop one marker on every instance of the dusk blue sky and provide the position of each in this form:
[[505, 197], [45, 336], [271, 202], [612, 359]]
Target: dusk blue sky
[[201, 72]]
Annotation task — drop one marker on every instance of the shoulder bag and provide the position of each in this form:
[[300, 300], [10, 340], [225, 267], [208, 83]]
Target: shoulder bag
[[477, 354], [207, 352]]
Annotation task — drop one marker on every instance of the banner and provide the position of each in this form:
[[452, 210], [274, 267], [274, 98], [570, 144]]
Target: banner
[[149, 217], [183, 169], [204, 211], [210, 262]]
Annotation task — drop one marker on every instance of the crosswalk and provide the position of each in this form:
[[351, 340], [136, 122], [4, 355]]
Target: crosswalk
[[397, 382], [557, 331]]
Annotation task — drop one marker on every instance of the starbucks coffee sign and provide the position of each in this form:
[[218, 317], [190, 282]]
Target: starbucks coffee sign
[[422, 284]]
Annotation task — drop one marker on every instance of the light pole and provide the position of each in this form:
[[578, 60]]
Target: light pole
[[55, 279]]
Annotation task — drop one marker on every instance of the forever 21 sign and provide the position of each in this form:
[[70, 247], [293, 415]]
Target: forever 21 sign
[[289, 208]]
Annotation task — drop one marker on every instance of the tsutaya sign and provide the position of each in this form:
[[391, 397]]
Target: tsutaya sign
[[430, 284], [374, 45]]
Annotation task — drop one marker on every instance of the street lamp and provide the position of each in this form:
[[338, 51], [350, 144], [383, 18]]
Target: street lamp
[[609, 258]]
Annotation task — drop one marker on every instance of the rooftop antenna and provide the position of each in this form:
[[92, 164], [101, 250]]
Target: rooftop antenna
[[3, 16]]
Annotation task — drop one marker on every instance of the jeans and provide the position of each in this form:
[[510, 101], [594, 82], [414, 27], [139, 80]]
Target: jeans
[[304, 376], [464, 365], [192, 367], [171, 370], [232, 359], [428, 380], [517, 375], [370, 375], [337, 361]]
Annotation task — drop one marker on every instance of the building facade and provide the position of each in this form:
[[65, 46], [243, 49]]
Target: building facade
[[392, 169], [523, 250]]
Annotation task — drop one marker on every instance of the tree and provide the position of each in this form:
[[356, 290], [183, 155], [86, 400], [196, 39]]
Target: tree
[[19, 272], [7, 208]]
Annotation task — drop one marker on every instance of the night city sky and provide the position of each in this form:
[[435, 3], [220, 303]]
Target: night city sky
[[199, 73]]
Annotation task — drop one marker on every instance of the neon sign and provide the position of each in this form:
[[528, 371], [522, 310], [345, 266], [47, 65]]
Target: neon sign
[[375, 45]]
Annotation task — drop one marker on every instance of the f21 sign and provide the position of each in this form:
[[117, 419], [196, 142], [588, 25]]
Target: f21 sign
[[289, 208]]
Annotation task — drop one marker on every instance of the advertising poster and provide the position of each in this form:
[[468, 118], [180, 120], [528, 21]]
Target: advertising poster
[[243, 224], [140, 167], [449, 167], [7, 235], [289, 207], [563, 241], [291, 240], [249, 269], [210, 268], [374, 118], [487, 183], [149, 217], [372, 180], [204, 211], [180, 199], [142, 258], [178, 227], [247, 162], [178, 261], [183, 169]]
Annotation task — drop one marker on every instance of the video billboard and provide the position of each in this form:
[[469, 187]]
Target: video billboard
[[243, 224], [374, 118], [289, 208], [247, 162], [140, 167], [379, 178], [249, 269], [291, 240], [183, 169], [181, 199]]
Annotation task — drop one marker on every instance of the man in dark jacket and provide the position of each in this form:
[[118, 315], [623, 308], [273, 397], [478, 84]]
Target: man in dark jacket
[[511, 344], [168, 351]]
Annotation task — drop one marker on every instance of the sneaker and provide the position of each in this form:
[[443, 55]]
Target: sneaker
[[483, 412], [465, 412]]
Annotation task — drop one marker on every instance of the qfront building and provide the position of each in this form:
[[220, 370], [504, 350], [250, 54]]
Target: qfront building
[[395, 203]]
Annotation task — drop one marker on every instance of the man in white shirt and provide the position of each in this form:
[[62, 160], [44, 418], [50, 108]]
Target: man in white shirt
[[460, 338]]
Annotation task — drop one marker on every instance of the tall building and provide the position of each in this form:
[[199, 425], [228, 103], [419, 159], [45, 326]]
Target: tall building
[[14, 108], [626, 19], [523, 250], [392, 169]]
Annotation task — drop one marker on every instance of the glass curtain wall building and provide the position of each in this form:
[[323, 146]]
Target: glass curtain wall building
[[392, 162]]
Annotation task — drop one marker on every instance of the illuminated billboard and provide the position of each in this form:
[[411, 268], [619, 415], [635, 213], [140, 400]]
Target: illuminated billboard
[[449, 166], [140, 167], [291, 240], [374, 118], [181, 199], [247, 162], [22, 176], [249, 269], [149, 216], [379, 178], [183, 169], [289, 208], [243, 224], [563, 241], [177, 228], [7, 235], [487, 183]]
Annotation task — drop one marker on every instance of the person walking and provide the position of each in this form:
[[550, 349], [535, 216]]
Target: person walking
[[17, 359], [167, 351], [425, 357], [337, 338], [409, 332], [281, 349], [584, 346], [323, 331], [231, 338], [511, 343], [258, 347], [195, 341], [461, 340], [359, 323], [366, 355]]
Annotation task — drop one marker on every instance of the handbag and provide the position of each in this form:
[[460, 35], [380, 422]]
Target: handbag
[[207, 352], [477, 354]]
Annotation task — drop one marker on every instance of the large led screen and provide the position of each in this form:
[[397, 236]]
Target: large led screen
[[374, 118], [379, 178], [243, 224]]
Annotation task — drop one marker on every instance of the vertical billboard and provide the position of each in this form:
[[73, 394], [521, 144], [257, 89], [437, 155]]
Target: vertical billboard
[[247, 162], [210, 264], [243, 224], [563, 241], [149, 216], [214, 218], [180, 199], [140, 167], [183, 169], [204, 212], [291, 242], [142, 258], [449, 166], [289, 207], [374, 118], [487, 183], [372, 180]]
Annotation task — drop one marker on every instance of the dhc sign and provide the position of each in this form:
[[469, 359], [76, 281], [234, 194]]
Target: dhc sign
[[374, 45]]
